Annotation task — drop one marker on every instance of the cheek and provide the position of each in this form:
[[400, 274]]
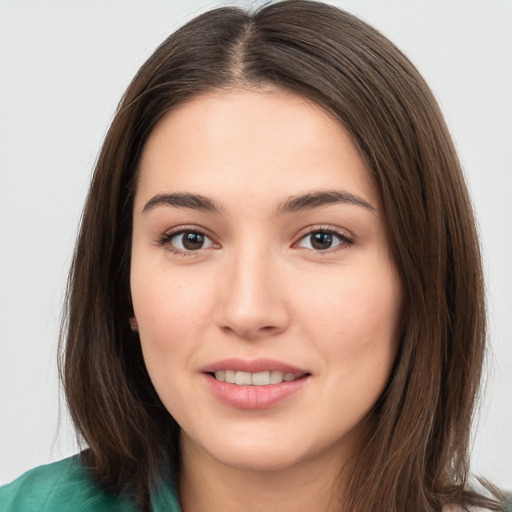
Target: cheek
[[171, 315], [171, 312], [354, 319], [168, 309]]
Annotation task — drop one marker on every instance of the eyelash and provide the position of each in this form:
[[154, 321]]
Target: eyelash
[[344, 240], [166, 238]]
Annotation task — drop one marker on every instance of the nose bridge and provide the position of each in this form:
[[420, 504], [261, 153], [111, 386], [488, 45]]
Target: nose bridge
[[251, 304]]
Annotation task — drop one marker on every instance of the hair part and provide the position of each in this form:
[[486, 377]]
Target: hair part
[[415, 452]]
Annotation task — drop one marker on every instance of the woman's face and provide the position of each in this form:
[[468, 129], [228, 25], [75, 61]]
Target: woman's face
[[265, 293]]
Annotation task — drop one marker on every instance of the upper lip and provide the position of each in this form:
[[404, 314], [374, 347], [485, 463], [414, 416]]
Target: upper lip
[[253, 366]]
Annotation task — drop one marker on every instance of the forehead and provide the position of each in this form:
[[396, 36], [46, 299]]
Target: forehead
[[260, 141]]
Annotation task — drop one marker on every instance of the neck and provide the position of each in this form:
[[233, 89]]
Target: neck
[[209, 485]]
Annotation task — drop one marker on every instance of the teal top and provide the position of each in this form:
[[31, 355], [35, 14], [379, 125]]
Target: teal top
[[66, 486]]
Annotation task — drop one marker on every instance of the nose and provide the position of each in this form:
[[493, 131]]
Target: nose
[[252, 299]]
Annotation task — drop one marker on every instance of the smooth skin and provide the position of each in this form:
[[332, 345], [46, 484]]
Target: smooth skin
[[243, 276]]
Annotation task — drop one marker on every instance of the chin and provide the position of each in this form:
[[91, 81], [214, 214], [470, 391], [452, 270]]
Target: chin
[[261, 451], [256, 458]]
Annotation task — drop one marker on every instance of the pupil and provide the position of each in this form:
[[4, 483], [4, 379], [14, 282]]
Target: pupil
[[192, 241], [321, 240]]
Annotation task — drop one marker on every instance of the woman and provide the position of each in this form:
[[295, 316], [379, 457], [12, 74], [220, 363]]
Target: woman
[[276, 298]]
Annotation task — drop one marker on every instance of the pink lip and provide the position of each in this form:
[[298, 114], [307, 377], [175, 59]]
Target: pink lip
[[253, 397], [252, 366]]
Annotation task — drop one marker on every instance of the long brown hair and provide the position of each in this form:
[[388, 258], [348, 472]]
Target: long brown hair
[[415, 453]]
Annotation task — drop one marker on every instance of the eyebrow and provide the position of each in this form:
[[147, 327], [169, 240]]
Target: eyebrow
[[322, 198], [293, 204], [184, 200]]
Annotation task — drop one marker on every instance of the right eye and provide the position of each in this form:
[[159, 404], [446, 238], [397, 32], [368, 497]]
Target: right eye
[[187, 241]]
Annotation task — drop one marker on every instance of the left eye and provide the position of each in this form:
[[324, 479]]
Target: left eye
[[322, 240], [190, 241]]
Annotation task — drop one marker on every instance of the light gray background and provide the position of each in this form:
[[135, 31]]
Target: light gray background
[[63, 68]]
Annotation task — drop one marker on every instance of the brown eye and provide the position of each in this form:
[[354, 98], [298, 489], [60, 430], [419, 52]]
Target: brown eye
[[323, 240], [190, 241]]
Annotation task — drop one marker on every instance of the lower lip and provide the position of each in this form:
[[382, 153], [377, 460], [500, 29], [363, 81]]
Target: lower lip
[[253, 397]]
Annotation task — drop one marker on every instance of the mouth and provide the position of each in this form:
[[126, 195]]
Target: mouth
[[264, 378], [254, 384]]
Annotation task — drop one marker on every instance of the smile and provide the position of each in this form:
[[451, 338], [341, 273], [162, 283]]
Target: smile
[[254, 384], [255, 379]]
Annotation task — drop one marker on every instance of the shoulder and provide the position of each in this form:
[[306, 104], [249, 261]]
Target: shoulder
[[63, 486]]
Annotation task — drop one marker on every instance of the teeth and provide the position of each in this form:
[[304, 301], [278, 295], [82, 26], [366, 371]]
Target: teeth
[[254, 379], [243, 378], [260, 379], [276, 377]]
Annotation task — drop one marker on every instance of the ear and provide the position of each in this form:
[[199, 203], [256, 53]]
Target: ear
[[133, 324]]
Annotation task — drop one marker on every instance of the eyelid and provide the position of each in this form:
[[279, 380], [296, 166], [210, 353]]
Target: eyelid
[[164, 239], [347, 239]]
